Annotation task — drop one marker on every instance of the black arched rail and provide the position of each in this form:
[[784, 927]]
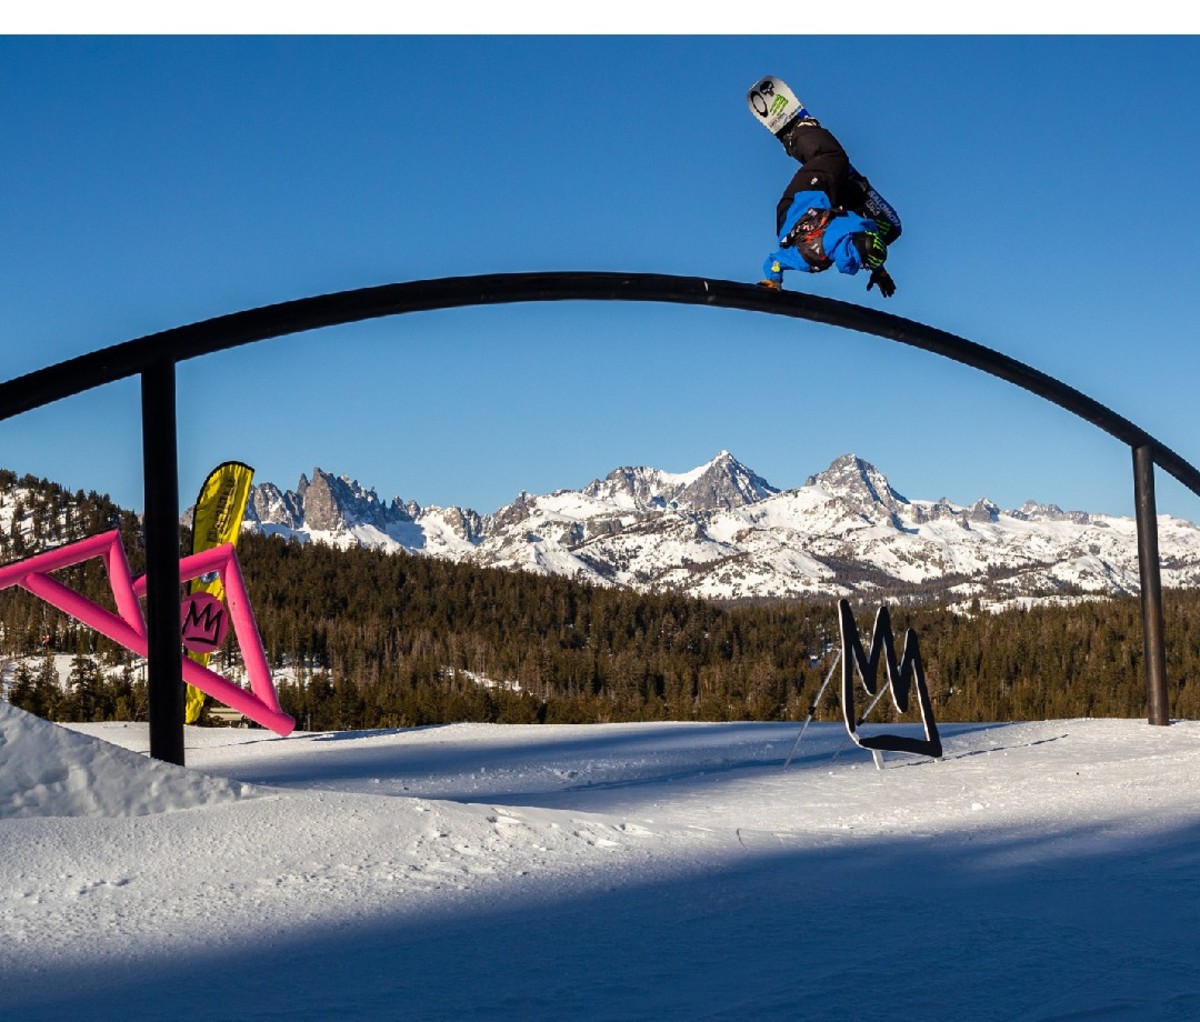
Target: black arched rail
[[182, 343], [154, 357]]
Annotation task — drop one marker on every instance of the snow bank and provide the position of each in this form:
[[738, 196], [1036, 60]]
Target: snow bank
[[620, 872], [47, 770]]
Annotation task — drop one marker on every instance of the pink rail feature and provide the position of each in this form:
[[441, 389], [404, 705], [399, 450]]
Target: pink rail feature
[[223, 560], [128, 626]]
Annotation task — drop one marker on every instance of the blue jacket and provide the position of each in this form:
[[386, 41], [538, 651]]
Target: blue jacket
[[836, 238]]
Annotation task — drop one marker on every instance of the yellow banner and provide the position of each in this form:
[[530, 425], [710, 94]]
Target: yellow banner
[[217, 520]]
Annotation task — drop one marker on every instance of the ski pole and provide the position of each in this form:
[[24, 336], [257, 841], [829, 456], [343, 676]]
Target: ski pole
[[812, 709]]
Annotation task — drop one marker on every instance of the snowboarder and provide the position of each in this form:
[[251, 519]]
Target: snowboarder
[[824, 216]]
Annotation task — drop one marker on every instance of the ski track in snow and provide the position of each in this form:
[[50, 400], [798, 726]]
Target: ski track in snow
[[1040, 871]]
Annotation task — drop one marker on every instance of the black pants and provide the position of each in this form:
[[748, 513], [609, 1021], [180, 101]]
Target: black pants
[[825, 167]]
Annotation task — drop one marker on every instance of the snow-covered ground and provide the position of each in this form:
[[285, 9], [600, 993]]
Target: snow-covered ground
[[1040, 871]]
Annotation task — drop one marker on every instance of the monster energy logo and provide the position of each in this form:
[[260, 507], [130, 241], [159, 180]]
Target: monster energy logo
[[777, 104]]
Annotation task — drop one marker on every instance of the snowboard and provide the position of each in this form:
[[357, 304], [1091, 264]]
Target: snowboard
[[775, 106]]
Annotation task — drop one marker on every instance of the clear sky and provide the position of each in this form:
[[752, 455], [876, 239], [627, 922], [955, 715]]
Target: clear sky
[[1047, 188]]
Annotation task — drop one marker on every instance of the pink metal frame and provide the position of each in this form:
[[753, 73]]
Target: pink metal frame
[[128, 626]]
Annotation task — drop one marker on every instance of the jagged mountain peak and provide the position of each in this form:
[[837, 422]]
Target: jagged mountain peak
[[327, 503], [339, 510], [334, 502], [1032, 511], [725, 483], [722, 482], [853, 478], [984, 510]]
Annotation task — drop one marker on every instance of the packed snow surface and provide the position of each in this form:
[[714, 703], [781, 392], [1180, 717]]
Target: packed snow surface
[[1040, 871]]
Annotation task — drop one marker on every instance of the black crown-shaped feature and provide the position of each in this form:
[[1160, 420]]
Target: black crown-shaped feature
[[900, 677]]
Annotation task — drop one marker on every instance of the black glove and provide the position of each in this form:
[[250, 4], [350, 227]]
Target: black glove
[[881, 277]]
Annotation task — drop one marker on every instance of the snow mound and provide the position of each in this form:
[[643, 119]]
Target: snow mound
[[47, 770]]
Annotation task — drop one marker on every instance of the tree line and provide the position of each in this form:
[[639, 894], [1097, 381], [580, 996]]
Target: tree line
[[364, 639]]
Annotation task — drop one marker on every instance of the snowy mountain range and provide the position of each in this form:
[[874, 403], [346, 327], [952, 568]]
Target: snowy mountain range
[[723, 532]]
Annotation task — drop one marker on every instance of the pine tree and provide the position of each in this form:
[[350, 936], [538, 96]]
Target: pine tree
[[87, 688]]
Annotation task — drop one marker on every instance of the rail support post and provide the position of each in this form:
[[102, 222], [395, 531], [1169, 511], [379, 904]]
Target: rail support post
[[160, 479], [1153, 643]]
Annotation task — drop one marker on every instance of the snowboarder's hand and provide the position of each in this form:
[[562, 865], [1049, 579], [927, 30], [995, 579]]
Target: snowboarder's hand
[[883, 280], [772, 284]]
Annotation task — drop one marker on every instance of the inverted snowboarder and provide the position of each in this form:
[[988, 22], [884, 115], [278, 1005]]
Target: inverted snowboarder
[[829, 215]]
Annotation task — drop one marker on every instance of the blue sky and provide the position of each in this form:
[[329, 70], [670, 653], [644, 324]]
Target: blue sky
[[1046, 187]]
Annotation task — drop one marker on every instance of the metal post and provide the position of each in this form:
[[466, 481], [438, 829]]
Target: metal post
[[161, 526], [1152, 610]]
